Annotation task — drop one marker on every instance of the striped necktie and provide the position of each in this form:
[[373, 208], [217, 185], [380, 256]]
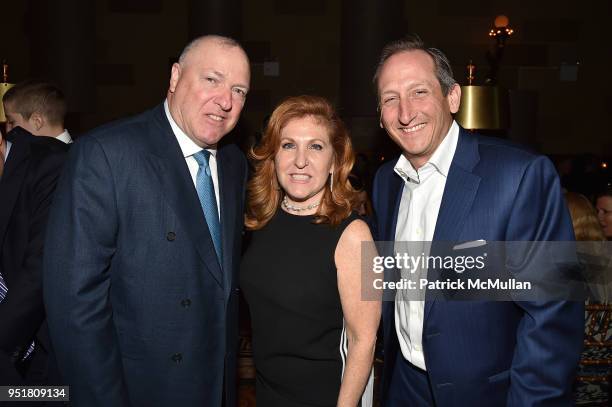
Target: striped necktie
[[3, 292], [208, 201], [3, 288]]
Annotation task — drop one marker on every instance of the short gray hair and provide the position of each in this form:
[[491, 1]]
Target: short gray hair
[[219, 39], [444, 72]]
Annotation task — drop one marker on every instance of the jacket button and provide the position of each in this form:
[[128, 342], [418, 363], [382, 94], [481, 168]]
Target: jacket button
[[171, 236], [177, 357], [186, 303]]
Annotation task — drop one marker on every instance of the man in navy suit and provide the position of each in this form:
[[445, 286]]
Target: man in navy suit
[[139, 280], [29, 169], [450, 185]]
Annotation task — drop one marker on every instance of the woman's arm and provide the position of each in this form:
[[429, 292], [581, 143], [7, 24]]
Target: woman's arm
[[361, 317]]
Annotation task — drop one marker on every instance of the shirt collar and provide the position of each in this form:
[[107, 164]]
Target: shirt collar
[[440, 160], [188, 147], [64, 137]]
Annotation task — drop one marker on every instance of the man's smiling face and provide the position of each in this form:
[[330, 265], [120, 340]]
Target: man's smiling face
[[413, 109]]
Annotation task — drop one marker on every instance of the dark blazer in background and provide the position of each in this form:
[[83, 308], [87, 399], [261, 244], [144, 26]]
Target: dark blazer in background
[[481, 353], [26, 190], [140, 310]]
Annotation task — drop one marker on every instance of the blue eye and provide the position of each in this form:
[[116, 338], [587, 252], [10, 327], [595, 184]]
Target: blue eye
[[316, 146], [388, 100], [287, 146]]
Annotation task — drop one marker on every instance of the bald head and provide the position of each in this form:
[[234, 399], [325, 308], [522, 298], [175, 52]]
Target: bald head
[[205, 40]]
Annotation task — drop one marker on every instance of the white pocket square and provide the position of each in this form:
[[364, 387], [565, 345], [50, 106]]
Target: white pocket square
[[470, 245]]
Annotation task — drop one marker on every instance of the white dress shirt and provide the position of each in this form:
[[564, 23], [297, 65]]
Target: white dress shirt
[[7, 149], [416, 222], [64, 137], [189, 148], [5, 153]]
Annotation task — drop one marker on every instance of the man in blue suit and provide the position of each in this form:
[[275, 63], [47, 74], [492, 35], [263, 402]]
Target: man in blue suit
[[143, 244], [450, 185]]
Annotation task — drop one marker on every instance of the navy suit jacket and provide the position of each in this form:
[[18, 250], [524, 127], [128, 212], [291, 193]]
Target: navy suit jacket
[[481, 353], [140, 310]]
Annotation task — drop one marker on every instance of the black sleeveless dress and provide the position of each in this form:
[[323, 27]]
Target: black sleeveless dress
[[288, 277]]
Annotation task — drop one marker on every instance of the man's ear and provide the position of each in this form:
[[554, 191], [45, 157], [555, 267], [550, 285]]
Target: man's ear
[[454, 98], [37, 120], [175, 75]]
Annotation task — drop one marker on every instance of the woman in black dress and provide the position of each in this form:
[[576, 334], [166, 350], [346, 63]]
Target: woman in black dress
[[313, 336]]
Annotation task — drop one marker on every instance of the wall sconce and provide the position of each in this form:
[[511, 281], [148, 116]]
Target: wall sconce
[[501, 30]]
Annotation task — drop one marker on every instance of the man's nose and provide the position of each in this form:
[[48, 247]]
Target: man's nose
[[406, 112], [224, 99]]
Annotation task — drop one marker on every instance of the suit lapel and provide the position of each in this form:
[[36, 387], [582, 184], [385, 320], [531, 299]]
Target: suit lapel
[[15, 170], [181, 194], [459, 193], [395, 189]]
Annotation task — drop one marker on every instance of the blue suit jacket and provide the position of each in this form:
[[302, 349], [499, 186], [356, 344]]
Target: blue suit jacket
[[140, 310], [482, 353]]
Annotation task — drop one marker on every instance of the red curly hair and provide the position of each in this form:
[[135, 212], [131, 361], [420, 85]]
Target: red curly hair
[[264, 192]]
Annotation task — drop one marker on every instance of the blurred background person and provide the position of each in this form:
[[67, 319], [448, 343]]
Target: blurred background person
[[584, 218], [604, 210], [313, 337], [594, 369], [593, 255], [29, 170], [38, 107]]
